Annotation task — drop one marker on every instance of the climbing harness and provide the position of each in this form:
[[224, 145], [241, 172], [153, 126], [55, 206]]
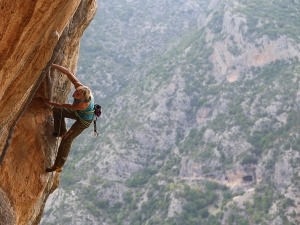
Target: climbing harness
[[57, 140], [97, 113], [84, 122]]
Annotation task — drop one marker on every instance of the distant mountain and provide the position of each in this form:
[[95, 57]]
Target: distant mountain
[[201, 116]]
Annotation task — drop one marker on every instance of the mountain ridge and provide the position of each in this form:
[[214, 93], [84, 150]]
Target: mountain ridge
[[196, 133]]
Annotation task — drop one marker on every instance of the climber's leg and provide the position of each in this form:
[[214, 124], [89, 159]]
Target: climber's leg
[[59, 115], [65, 145]]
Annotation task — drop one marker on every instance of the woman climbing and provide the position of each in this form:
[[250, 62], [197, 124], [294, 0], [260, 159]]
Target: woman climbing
[[82, 110]]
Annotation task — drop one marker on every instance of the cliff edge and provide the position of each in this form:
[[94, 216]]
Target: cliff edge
[[33, 35]]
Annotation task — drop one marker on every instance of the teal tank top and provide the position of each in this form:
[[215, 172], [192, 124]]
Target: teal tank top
[[88, 113]]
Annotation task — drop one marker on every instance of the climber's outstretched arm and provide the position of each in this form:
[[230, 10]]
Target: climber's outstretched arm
[[77, 106], [70, 75]]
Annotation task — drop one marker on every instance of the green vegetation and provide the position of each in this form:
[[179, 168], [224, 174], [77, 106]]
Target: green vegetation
[[193, 141], [195, 210], [141, 177], [171, 166], [163, 105], [263, 198], [216, 23], [249, 159], [236, 218], [271, 18]]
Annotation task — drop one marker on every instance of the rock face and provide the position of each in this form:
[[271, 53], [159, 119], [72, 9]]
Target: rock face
[[33, 35]]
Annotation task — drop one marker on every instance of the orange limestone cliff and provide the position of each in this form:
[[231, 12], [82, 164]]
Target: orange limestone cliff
[[33, 35]]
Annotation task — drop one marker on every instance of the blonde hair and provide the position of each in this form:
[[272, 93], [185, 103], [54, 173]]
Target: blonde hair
[[86, 93]]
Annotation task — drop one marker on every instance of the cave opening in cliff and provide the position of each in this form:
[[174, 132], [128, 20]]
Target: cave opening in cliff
[[248, 178]]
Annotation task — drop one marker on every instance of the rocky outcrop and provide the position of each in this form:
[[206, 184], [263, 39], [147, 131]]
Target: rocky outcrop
[[33, 35]]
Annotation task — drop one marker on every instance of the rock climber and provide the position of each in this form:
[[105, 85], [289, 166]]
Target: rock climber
[[81, 110]]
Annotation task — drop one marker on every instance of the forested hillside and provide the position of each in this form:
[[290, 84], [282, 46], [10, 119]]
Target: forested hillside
[[200, 119]]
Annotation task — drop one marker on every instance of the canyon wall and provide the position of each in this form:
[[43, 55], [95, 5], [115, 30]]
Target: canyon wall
[[33, 35]]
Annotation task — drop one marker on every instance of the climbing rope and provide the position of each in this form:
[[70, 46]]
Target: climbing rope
[[59, 129]]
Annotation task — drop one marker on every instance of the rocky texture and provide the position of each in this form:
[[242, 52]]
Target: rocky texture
[[33, 35]]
